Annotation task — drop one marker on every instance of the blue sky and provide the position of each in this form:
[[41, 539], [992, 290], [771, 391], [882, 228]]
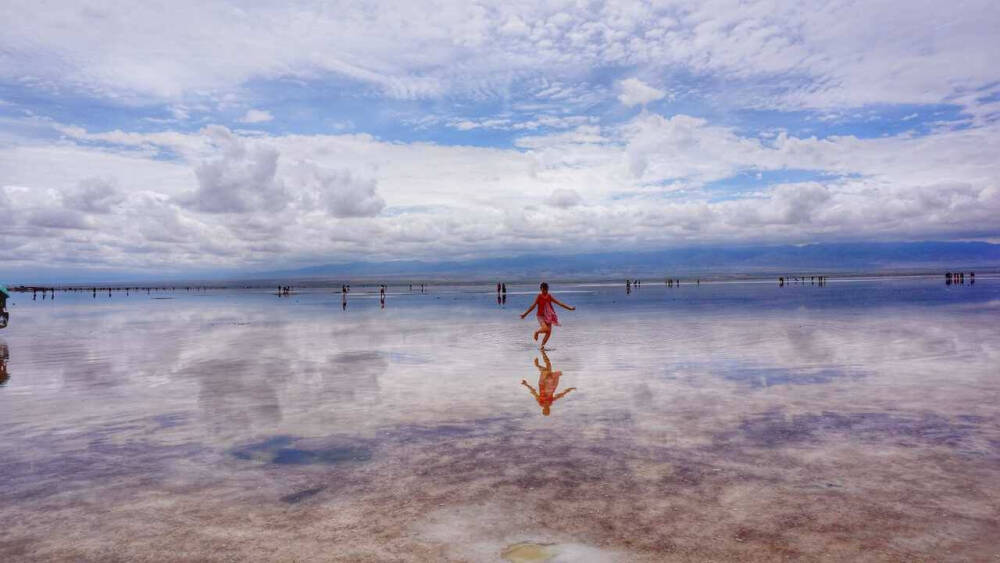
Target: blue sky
[[263, 135]]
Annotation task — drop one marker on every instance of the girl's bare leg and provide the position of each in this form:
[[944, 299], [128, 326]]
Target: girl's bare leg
[[541, 328], [548, 333]]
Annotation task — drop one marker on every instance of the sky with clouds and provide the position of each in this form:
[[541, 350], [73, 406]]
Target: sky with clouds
[[186, 136]]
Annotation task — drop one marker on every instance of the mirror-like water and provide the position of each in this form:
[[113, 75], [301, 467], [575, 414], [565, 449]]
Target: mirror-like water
[[741, 421]]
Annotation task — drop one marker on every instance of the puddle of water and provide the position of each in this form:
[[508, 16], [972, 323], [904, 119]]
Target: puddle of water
[[528, 552]]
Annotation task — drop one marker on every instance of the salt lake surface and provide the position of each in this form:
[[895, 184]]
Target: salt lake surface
[[738, 421]]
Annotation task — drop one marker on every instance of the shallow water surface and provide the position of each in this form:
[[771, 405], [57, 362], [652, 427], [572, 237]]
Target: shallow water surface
[[857, 420]]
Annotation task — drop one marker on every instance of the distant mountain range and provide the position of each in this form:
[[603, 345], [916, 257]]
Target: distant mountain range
[[703, 261]]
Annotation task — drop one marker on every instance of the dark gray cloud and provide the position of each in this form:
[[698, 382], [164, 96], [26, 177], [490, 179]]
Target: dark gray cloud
[[56, 218], [564, 198]]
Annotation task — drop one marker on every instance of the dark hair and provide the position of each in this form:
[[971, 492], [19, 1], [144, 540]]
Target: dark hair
[[544, 286]]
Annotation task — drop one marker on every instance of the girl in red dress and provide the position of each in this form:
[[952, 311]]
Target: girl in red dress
[[546, 313]]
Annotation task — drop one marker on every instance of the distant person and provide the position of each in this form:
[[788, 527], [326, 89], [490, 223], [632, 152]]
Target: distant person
[[4, 315], [546, 314], [548, 381], [503, 287], [498, 287]]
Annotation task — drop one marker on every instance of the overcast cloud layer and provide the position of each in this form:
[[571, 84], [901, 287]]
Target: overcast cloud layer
[[184, 135]]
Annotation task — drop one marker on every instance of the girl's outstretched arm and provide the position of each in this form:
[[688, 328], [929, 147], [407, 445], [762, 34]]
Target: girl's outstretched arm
[[530, 388], [560, 395], [563, 305], [525, 314]]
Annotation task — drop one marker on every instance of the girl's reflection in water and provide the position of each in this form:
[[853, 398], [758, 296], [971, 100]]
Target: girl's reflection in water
[[548, 380]]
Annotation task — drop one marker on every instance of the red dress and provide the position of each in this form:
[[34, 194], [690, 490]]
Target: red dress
[[545, 310]]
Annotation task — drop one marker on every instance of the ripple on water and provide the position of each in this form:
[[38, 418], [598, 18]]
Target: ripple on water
[[283, 450]]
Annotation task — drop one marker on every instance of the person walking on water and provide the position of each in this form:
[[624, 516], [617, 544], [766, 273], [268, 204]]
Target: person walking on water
[[546, 314]]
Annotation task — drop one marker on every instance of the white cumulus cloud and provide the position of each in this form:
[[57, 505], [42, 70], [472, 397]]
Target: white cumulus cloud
[[241, 179], [340, 192], [245, 199], [94, 195], [635, 92], [256, 116]]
